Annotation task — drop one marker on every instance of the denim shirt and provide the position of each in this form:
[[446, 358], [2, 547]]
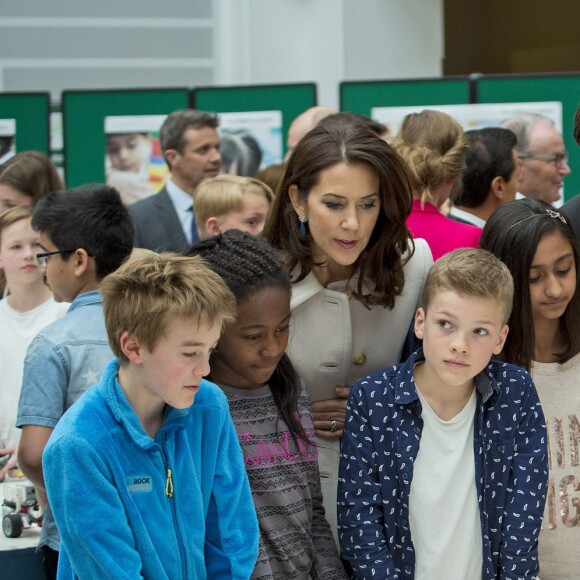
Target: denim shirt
[[380, 443], [62, 361]]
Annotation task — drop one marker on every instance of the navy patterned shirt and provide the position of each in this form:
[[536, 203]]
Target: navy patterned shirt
[[380, 443]]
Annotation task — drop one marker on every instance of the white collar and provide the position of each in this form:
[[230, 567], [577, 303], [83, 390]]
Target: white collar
[[466, 216], [180, 199]]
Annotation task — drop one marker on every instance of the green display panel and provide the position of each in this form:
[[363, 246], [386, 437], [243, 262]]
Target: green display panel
[[360, 97], [533, 88], [84, 114], [31, 113], [291, 99]]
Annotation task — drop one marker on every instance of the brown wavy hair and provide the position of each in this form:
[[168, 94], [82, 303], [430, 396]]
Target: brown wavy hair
[[390, 245]]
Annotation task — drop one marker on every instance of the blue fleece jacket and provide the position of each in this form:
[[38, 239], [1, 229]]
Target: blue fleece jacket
[[118, 512]]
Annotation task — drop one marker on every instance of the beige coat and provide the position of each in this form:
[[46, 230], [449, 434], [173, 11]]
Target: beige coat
[[335, 340]]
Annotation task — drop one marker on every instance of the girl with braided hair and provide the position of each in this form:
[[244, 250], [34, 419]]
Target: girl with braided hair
[[434, 145], [270, 410]]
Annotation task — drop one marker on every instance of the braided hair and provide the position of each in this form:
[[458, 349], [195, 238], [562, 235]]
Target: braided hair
[[249, 264]]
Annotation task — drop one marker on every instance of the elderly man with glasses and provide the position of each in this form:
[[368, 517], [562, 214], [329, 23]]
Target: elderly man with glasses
[[544, 159]]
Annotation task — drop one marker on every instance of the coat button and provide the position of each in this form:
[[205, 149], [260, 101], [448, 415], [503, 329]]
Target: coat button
[[359, 358]]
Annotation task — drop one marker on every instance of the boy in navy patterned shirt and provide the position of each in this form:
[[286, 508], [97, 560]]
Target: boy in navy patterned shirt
[[443, 468]]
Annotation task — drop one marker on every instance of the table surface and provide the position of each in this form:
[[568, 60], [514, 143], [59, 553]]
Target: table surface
[[29, 537]]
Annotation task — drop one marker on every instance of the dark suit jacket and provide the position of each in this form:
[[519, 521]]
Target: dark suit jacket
[[572, 210], [156, 224]]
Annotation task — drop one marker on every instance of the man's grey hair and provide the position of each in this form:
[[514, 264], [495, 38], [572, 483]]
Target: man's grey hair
[[522, 126]]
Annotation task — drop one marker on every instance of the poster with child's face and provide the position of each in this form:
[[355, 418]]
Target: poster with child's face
[[250, 141], [134, 163], [7, 139]]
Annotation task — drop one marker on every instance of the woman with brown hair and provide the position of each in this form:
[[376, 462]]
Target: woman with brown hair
[[339, 219]]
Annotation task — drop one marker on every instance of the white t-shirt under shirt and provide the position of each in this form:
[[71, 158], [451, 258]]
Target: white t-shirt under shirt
[[443, 507], [559, 390], [17, 329]]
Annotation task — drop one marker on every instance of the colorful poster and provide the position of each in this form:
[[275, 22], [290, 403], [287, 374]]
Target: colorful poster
[[7, 139], [477, 116], [134, 163], [250, 141], [470, 117]]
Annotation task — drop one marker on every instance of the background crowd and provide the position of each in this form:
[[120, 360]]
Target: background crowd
[[400, 264]]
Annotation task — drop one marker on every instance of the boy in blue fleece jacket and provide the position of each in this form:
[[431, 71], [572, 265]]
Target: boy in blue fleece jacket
[[443, 468], [144, 473]]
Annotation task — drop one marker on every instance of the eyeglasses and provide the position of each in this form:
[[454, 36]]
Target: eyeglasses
[[42, 259], [557, 159]]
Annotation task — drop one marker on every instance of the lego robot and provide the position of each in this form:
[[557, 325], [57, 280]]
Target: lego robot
[[20, 508]]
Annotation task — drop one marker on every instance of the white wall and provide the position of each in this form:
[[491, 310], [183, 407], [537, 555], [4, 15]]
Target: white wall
[[72, 44], [393, 39], [75, 44], [327, 41]]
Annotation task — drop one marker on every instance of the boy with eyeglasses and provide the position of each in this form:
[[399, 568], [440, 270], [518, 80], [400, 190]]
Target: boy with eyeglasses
[[86, 234]]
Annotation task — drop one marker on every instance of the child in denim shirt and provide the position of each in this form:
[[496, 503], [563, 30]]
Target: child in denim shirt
[[443, 470], [86, 233]]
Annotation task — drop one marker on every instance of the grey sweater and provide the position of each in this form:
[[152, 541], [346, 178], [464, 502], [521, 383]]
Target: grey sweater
[[295, 538]]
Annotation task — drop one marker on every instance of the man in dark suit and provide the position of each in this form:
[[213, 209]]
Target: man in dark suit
[[191, 147], [572, 207], [490, 178]]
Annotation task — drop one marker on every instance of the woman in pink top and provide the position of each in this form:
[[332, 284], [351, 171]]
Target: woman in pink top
[[433, 145]]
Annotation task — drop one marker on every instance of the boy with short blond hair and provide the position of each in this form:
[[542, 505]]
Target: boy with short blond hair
[[152, 445], [230, 202], [443, 470]]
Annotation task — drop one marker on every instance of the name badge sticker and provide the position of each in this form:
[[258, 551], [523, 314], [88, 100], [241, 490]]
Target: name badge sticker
[[139, 483]]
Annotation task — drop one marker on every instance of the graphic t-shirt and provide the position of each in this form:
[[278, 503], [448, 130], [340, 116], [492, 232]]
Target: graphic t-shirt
[[295, 538], [559, 390]]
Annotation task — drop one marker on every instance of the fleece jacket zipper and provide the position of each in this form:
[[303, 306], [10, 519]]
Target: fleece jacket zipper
[[169, 493]]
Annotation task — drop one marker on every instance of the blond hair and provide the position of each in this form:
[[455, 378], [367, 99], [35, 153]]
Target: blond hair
[[433, 144], [147, 291], [471, 272], [13, 215], [7, 218], [220, 195]]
